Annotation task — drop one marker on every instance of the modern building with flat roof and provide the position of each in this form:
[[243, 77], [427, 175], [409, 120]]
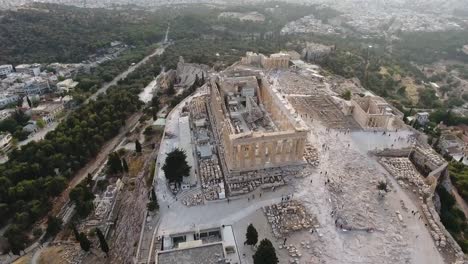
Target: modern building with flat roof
[[207, 246]]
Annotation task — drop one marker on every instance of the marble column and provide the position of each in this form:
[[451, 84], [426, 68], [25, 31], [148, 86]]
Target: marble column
[[235, 158], [242, 156], [252, 158], [273, 152], [300, 149], [284, 150], [262, 152]]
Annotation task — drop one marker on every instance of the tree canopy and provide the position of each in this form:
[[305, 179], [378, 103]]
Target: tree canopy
[[102, 241], [251, 235], [265, 253], [114, 163], [176, 166]]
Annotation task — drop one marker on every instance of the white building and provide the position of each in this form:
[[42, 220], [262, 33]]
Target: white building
[[5, 142], [5, 70], [422, 118], [6, 113], [49, 111], [6, 99], [465, 49], [31, 69], [66, 85], [35, 85]]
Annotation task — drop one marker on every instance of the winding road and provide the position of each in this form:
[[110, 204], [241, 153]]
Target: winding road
[[160, 50]]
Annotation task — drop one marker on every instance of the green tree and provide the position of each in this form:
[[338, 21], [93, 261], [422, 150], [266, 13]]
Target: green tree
[[382, 186], [55, 185], [114, 163], [29, 101], [346, 95], [137, 146], [102, 242], [170, 90], [154, 113], [37, 232], [75, 232], [251, 236], [82, 196], [155, 103], [152, 205], [124, 165], [17, 239], [85, 244], [40, 123], [89, 180], [176, 166], [197, 81], [265, 253], [84, 208], [54, 225]]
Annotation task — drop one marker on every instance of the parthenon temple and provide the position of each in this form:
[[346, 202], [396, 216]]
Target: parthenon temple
[[257, 127]]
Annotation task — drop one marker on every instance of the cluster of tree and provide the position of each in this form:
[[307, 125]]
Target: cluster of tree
[[447, 117], [81, 237], [459, 176], [366, 66], [86, 244], [116, 164], [428, 98], [83, 198], [265, 253], [51, 33], [453, 218], [14, 124], [219, 51], [54, 225], [176, 166], [428, 47], [39, 171], [90, 82], [70, 34], [208, 22]]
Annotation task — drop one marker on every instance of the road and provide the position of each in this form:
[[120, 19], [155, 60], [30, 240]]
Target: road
[[124, 74], [96, 163], [40, 134]]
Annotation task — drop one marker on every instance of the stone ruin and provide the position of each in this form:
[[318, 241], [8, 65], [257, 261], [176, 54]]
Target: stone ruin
[[294, 252], [408, 177], [211, 179], [436, 233], [246, 182], [287, 217], [311, 155], [403, 170], [193, 199]]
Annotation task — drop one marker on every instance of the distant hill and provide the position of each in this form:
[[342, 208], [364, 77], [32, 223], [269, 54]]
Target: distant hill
[[51, 33]]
